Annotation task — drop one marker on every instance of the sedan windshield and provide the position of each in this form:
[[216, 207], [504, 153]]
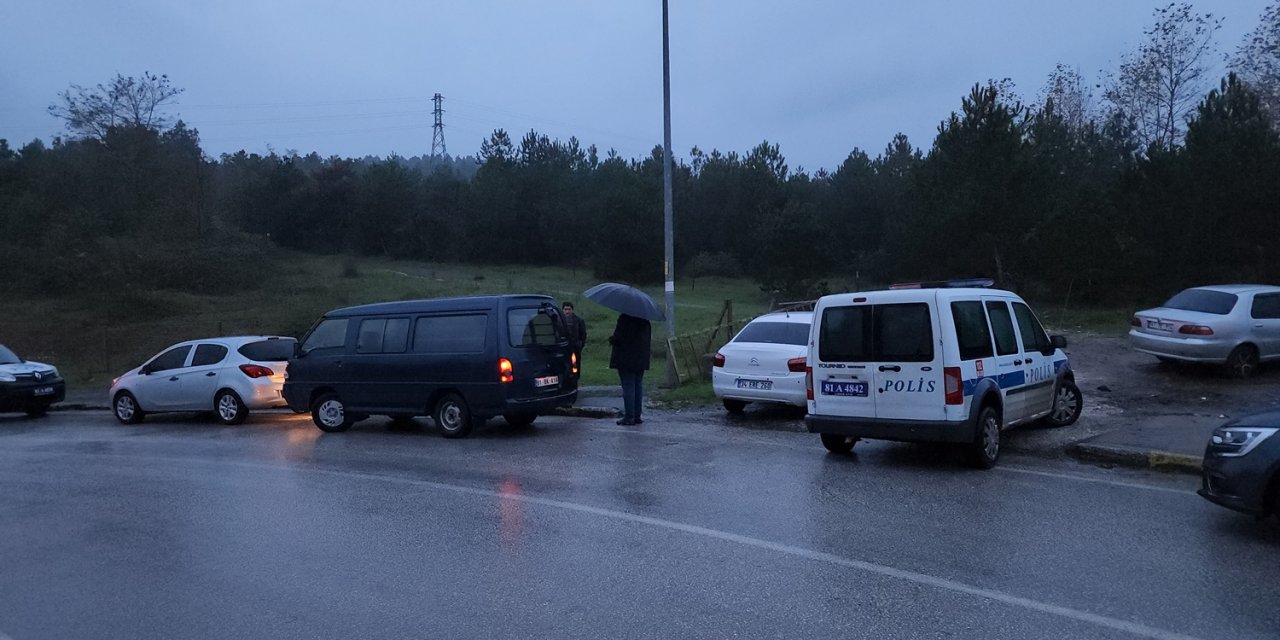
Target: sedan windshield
[[775, 333], [7, 356], [1204, 301]]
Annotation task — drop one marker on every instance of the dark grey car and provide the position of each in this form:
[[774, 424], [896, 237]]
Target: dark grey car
[[1241, 467]]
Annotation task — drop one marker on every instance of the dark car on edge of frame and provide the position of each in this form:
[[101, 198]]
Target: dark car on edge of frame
[[1241, 468]]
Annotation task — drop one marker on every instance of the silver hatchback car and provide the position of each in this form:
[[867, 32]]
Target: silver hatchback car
[[1235, 325]]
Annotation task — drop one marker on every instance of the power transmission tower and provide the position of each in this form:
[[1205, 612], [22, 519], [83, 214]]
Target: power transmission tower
[[437, 135]]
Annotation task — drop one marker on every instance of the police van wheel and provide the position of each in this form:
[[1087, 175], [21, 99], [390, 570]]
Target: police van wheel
[[985, 450], [1067, 404], [836, 443], [453, 417]]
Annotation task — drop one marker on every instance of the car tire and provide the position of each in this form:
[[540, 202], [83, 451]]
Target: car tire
[[736, 407], [37, 411], [1068, 402], [453, 416], [330, 414], [519, 419], [838, 444], [228, 408], [985, 450], [125, 408], [1242, 362]]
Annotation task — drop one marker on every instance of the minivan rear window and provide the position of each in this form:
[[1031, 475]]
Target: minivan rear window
[[775, 333], [1204, 301], [876, 333], [278, 350], [530, 327]]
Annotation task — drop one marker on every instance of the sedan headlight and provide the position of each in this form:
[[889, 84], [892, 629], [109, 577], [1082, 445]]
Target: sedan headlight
[[1233, 442]]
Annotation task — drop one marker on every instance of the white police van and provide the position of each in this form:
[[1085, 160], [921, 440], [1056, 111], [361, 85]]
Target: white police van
[[934, 362]]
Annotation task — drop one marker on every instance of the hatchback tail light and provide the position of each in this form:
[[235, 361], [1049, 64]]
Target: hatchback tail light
[[953, 384], [1195, 330], [256, 371], [808, 382], [506, 373], [718, 361], [796, 365]]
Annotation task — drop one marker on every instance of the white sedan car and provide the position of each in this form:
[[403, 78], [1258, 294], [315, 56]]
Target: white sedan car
[[228, 376], [1237, 326], [765, 362]]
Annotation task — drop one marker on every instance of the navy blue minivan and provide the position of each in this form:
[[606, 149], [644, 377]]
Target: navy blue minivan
[[459, 360]]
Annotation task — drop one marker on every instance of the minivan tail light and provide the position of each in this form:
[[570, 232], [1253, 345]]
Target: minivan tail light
[[718, 361], [1195, 330], [953, 384], [573, 360], [808, 382], [256, 371], [796, 365], [506, 373]]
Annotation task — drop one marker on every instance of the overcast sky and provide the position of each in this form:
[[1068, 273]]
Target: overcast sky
[[355, 78]]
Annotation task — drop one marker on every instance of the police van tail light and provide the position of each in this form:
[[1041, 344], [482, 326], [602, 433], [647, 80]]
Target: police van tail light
[[718, 361], [573, 360], [952, 384], [505, 371], [796, 365], [808, 382]]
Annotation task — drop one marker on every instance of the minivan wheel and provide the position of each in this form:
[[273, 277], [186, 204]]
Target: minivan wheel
[[126, 408], [735, 407], [985, 449], [452, 416], [229, 408], [519, 419], [330, 414], [1243, 361], [836, 443], [1067, 404]]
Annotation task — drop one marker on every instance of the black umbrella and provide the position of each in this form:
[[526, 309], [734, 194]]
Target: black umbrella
[[626, 299]]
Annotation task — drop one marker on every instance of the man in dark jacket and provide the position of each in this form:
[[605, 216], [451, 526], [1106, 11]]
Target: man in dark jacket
[[630, 356], [577, 328]]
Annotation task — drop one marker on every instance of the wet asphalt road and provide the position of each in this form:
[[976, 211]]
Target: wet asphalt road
[[687, 527]]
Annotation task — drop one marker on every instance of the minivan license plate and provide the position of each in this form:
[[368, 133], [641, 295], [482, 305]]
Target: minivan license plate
[[844, 388], [546, 381], [43, 391]]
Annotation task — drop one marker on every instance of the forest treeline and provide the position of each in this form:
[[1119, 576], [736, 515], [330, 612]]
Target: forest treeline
[[1149, 187]]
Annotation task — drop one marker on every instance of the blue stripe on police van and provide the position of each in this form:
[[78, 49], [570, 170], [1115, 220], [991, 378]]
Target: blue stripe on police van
[[1057, 365], [1004, 380]]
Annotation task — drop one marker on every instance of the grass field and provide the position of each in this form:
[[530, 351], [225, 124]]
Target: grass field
[[94, 338]]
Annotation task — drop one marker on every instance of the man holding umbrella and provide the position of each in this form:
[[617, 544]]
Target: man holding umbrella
[[631, 341]]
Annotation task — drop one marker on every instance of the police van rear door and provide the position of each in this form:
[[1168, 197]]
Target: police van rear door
[[840, 359]]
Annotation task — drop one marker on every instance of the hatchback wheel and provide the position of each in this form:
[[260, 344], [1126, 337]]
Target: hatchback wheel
[[330, 414], [229, 408], [735, 407], [836, 443], [1243, 361], [985, 450], [452, 416], [126, 408], [1067, 404]]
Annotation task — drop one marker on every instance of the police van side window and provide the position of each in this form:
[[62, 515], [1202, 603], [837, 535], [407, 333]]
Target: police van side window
[[845, 334], [972, 334], [1002, 327], [1033, 336], [904, 333]]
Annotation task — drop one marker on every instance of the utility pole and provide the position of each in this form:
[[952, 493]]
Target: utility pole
[[668, 262], [437, 130]]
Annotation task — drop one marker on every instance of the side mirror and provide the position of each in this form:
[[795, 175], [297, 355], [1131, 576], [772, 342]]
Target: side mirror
[[145, 370], [1059, 342], [297, 349]]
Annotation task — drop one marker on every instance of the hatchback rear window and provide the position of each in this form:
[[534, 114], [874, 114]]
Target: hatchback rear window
[[775, 333], [1204, 301], [268, 350]]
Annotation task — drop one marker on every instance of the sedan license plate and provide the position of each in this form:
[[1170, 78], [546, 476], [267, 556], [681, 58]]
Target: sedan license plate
[[546, 381], [762, 385], [43, 391], [1159, 326], [830, 388]]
